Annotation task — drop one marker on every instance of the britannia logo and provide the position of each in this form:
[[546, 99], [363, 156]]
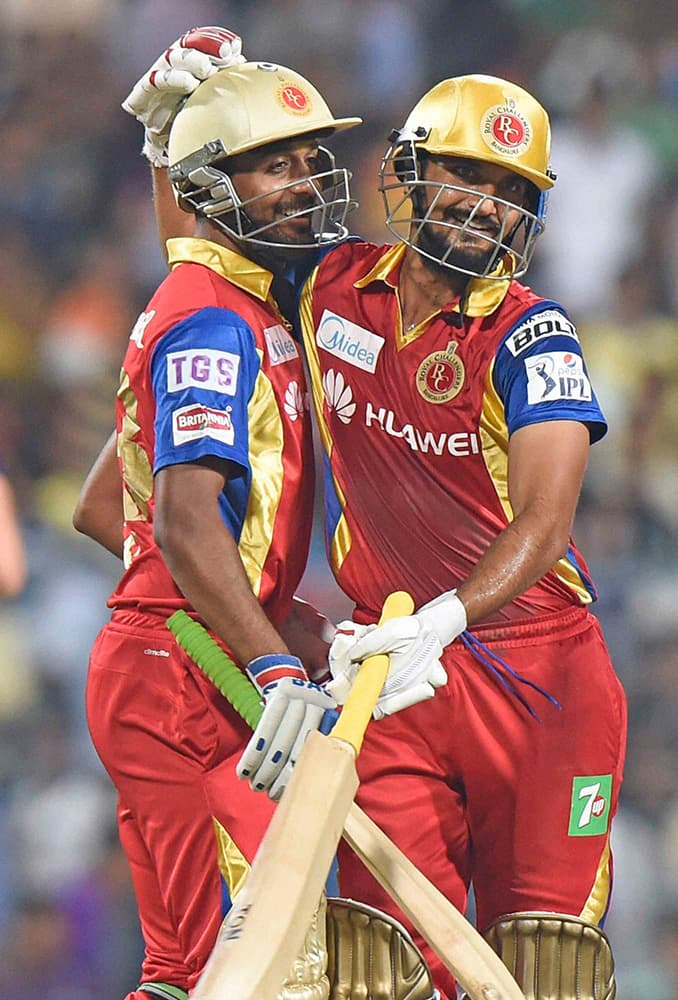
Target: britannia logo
[[294, 99], [506, 130], [440, 375], [338, 395]]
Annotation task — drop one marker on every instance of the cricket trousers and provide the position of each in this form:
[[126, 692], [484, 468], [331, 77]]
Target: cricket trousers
[[474, 789], [189, 827]]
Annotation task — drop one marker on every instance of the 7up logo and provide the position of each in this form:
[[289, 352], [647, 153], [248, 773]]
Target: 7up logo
[[590, 809]]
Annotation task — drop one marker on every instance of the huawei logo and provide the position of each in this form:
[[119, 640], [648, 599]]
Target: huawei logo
[[338, 395], [294, 401]]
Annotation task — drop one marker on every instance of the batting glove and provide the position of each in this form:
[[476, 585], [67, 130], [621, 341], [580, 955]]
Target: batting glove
[[294, 706], [156, 98], [414, 643]]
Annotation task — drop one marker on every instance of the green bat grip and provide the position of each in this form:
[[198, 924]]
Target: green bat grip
[[236, 688]]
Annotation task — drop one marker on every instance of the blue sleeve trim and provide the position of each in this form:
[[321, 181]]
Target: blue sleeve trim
[[540, 373], [203, 372]]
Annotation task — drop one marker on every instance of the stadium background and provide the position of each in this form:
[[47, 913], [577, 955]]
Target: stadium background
[[79, 256]]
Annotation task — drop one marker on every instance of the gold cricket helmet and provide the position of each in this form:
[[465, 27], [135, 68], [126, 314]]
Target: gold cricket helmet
[[243, 108], [480, 118], [485, 118]]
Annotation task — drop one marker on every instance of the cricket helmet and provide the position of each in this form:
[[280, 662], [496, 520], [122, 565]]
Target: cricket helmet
[[480, 118], [244, 108]]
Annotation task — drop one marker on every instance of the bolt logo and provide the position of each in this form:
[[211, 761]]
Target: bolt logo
[[294, 99], [590, 808], [505, 130], [440, 376]]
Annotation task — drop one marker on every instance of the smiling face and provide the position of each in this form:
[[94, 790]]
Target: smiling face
[[279, 188], [471, 208]]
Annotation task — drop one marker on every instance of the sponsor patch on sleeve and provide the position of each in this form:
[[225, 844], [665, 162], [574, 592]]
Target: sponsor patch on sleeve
[[549, 323], [558, 375], [203, 368], [190, 423]]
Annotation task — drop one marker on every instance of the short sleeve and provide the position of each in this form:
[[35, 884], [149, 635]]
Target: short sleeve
[[203, 373], [540, 374]]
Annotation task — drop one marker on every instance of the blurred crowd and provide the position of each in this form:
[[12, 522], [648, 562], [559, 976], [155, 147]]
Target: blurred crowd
[[80, 257]]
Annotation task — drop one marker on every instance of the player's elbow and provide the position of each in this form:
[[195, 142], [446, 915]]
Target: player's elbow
[[172, 529], [82, 517], [13, 578], [556, 544]]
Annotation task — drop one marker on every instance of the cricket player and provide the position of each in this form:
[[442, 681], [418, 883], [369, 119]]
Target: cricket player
[[456, 414], [214, 446], [213, 441]]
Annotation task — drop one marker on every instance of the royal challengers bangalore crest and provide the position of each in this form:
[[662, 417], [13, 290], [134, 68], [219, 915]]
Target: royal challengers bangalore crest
[[440, 376]]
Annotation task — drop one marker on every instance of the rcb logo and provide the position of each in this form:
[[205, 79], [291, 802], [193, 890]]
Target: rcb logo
[[440, 376]]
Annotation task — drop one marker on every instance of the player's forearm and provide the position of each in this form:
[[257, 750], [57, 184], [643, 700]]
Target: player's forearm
[[205, 563], [98, 513], [170, 220], [13, 566], [520, 556]]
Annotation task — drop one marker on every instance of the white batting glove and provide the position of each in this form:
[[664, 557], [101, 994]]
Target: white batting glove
[[414, 644], [156, 98], [294, 706]]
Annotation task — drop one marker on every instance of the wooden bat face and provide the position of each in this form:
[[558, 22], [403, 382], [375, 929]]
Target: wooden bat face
[[265, 929], [463, 951]]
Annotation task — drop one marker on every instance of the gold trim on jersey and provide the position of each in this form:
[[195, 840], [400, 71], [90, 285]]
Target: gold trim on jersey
[[233, 864], [233, 266], [340, 544], [266, 463], [494, 441], [596, 904], [137, 474], [482, 297]]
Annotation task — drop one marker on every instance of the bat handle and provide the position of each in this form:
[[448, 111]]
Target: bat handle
[[367, 686]]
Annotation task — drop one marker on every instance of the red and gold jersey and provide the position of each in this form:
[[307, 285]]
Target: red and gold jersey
[[415, 426], [212, 369]]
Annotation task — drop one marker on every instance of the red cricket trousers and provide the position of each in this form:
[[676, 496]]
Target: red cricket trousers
[[189, 827], [473, 789]]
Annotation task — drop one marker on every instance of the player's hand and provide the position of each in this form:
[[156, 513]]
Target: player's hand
[[157, 96], [294, 706], [414, 644], [415, 670], [308, 634]]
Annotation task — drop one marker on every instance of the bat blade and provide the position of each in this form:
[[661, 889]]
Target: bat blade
[[463, 951], [458, 944], [265, 929]]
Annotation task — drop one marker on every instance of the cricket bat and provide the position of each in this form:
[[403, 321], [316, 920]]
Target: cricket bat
[[265, 928], [463, 951]]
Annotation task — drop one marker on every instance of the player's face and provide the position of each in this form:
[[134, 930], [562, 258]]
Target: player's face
[[261, 175], [476, 220]]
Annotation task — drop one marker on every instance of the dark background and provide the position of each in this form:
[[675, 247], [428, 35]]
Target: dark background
[[78, 258]]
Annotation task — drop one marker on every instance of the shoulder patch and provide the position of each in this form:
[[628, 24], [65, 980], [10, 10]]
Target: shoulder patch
[[558, 375], [203, 368], [549, 323]]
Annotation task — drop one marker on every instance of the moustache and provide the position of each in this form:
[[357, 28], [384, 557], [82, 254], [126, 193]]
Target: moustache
[[462, 221]]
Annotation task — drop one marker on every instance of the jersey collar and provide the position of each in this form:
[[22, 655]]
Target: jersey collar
[[239, 270], [484, 295]]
